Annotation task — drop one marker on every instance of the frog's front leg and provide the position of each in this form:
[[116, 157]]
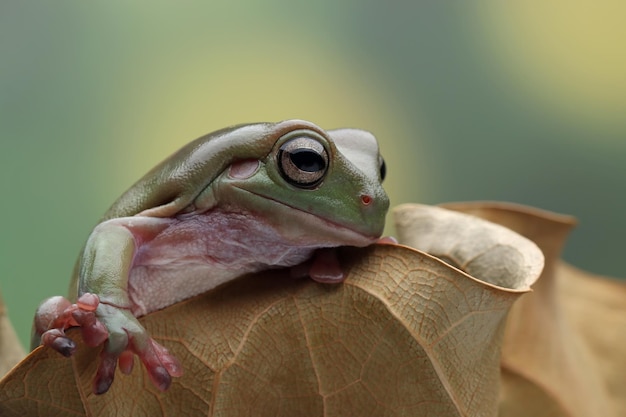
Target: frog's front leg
[[107, 317]]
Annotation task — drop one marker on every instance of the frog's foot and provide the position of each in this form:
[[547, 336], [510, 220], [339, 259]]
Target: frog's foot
[[127, 337], [324, 265], [387, 240], [57, 314], [159, 363], [116, 328]]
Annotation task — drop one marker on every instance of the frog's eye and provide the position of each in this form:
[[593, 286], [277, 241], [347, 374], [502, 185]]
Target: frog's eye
[[303, 162], [383, 168]]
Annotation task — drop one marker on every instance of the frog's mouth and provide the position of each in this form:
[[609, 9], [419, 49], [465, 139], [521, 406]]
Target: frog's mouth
[[300, 224]]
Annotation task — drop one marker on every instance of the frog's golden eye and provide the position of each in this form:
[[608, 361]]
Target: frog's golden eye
[[303, 162]]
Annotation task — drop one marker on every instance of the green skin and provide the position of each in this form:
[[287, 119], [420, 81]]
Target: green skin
[[227, 180]]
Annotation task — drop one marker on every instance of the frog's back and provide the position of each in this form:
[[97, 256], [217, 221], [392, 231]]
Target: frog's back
[[178, 179]]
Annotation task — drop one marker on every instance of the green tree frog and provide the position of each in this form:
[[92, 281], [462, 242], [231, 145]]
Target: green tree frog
[[236, 201]]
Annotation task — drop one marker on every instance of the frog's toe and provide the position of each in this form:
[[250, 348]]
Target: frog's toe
[[126, 362], [52, 313], [126, 339], [93, 331], [160, 364], [88, 302], [169, 361], [159, 377], [115, 347], [105, 373], [56, 314], [56, 339]]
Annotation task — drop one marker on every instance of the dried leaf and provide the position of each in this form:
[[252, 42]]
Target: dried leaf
[[406, 334], [482, 249], [11, 351], [563, 352]]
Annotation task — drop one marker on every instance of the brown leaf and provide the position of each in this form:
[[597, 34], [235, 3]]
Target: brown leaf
[[563, 351], [406, 334], [11, 351]]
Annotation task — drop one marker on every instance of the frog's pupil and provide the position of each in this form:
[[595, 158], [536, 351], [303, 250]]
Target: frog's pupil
[[307, 160]]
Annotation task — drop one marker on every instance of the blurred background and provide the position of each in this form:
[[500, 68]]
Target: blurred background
[[512, 101]]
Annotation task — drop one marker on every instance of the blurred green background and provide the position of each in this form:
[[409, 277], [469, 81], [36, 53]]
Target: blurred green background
[[515, 101]]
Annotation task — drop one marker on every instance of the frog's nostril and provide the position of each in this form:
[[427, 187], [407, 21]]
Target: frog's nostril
[[366, 199]]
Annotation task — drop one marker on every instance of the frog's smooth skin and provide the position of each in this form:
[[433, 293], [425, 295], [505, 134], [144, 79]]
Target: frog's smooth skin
[[239, 200]]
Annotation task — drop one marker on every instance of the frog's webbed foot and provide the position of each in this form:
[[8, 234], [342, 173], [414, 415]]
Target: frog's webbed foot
[[127, 337], [160, 365], [57, 314], [101, 323]]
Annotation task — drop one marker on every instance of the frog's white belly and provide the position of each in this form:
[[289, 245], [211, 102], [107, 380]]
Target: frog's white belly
[[198, 253]]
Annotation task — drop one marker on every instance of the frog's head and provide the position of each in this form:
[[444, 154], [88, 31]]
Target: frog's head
[[314, 186]]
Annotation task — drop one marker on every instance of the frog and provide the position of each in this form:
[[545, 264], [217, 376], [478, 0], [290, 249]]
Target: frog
[[240, 200]]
